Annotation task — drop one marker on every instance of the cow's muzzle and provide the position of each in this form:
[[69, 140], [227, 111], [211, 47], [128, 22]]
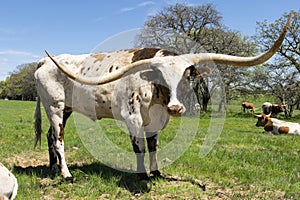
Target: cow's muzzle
[[175, 110]]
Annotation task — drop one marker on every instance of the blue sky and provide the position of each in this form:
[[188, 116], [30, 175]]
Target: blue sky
[[29, 27]]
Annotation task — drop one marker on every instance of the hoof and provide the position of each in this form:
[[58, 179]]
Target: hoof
[[156, 174], [69, 179]]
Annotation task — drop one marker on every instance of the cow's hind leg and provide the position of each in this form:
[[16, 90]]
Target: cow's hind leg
[[52, 152], [58, 118], [51, 141], [152, 141]]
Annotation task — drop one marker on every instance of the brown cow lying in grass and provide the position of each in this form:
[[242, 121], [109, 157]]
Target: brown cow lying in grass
[[276, 126]]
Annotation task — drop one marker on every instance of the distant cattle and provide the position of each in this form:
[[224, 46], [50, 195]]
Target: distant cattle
[[276, 126], [248, 105], [8, 184], [273, 109]]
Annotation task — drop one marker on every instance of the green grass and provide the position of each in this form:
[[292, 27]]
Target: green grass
[[244, 164]]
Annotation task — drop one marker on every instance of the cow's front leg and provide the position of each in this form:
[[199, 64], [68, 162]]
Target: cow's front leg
[[152, 141], [138, 144]]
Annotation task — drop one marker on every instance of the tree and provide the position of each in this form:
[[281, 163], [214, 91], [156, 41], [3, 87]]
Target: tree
[[187, 29], [20, 85]]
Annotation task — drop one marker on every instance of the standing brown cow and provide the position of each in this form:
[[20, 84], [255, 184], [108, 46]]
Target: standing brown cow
[[249, 106]]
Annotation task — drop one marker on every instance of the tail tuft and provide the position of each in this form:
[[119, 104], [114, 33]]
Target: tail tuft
[[38, 123]]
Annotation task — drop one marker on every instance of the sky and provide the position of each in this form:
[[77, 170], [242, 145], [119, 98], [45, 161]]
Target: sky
[[27, 28]]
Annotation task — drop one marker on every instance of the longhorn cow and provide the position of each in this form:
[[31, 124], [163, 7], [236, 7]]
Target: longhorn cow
[[272, 109], [147, 77], [276, 126]]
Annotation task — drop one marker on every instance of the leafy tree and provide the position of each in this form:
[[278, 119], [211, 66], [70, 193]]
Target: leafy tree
[[20, 85]]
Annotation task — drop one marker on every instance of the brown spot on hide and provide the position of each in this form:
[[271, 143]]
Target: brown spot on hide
[[283, 129], [98, 57], [131, 101], [110, 69], [167, 53], [144, 53], [138, 98], [61, 133]]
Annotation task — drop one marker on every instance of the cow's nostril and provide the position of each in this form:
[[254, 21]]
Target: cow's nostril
[[175, 110]]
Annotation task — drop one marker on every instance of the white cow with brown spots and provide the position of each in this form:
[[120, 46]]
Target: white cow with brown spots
[[8, 184], [276, 126], [137, 86], [272, 109]]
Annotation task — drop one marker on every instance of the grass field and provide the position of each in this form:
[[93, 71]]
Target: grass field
[[244, 164]]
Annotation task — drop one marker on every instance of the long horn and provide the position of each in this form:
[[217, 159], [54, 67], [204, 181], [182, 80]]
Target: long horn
[[139, 65], [242, 61]]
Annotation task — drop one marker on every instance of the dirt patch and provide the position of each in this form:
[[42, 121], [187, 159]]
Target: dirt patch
[[33, 159]]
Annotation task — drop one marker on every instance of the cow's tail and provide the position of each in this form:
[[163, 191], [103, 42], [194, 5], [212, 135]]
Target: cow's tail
[[38, 123]]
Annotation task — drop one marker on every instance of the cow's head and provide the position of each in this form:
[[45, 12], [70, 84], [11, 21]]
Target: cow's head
[[262, 119], [169, 74], [278, 108]]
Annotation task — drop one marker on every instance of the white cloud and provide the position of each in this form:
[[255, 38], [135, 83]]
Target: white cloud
[[146, 3], [143, 4], [127, 9]]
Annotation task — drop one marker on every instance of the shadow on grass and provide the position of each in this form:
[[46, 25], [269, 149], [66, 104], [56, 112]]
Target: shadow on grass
[[126, 180]]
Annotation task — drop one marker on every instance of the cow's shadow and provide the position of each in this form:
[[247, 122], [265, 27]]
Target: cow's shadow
[[127, 180]]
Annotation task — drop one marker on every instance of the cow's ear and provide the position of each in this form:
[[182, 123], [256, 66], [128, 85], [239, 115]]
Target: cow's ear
[[192, 72]]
